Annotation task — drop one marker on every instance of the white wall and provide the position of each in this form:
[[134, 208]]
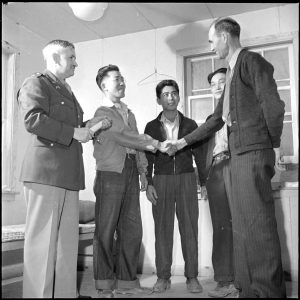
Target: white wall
[[30, 59], [134, 54]]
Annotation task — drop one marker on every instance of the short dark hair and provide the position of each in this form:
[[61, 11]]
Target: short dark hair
[[212, 74], [102, 72], [163, 83], [228, 25]]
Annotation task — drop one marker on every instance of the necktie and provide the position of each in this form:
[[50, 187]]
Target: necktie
[[67, 87], [226, 109]]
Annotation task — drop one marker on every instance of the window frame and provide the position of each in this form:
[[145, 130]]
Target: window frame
[[10, 124], [252, 44]]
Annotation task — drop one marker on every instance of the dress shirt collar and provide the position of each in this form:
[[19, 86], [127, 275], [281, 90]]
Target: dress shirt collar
[[234, 57], [52, 76], [121, 105], [163, 119]]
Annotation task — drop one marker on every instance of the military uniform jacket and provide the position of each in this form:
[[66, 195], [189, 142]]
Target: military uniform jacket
[[50, 113]]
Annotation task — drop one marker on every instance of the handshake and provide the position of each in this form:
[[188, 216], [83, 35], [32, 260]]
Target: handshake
[[170, 146]]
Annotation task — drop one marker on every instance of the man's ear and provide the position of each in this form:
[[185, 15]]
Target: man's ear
[[56, 58], [158, 101], [103, 86], [225, 36]]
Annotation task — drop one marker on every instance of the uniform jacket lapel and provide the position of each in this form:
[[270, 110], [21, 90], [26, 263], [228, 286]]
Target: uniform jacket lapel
[[58, 85]]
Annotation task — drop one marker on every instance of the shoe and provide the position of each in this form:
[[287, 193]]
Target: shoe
[[133, 291], [105, 294], [161, 285], [193, 285], [224, 290]]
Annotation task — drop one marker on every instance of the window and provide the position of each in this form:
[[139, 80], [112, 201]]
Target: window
[[200, 103], [9, 118]]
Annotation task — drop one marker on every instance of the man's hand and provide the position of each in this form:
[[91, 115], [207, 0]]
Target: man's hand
[[279, 163], [151, 194], [144, 182], [83, 134], [172, 150], [105, 123], [151, 147], [168, 146]]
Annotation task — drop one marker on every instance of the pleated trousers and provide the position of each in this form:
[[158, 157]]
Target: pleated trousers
[[257, 253], [177, 194], [51, 242]]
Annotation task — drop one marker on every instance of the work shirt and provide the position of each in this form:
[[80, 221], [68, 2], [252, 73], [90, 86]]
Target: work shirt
[[122, 108], [171, 128]]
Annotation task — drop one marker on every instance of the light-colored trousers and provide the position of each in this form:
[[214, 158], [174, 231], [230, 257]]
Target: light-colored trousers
[[51, 242]]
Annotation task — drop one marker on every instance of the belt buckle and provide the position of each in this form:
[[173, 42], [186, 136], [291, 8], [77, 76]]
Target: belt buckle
[[222, 156], [130, 155]]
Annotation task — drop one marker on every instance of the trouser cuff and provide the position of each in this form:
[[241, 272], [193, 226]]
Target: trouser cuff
[[106, 284], [126, 284], [224, 278]]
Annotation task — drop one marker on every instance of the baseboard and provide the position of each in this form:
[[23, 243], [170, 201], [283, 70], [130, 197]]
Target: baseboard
[[11, 280], [12, 271]]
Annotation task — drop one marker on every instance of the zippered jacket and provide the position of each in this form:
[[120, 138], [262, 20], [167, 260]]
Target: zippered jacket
[[182, 162]]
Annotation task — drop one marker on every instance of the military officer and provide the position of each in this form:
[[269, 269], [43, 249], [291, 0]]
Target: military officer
[[53, 174]]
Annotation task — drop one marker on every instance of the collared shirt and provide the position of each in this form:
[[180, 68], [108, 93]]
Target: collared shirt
[[221, 137], [233, 60], [221, 141], [63, 82], [226, 106], [122, 108], [171, 128]]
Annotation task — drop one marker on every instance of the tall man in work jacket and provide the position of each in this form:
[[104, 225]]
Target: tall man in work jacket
[[253, 112], [53, 174]]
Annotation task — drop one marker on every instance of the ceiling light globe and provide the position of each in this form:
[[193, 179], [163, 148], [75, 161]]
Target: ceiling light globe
[[88, 11]]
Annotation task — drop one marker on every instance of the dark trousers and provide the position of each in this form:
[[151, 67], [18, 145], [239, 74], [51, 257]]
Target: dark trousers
[[176, 193], [117, 210], [218, 186], [258, 267]]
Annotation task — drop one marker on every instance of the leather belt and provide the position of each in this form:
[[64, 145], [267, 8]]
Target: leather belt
[[222, 156], [130, 156]]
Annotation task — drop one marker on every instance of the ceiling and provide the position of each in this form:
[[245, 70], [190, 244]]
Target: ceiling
[[47, 19]]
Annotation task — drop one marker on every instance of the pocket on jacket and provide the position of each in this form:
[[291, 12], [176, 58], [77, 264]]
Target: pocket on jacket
[[252, 136], [62, 111]]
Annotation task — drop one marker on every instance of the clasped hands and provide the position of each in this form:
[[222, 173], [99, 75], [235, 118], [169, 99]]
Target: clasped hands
[[84, 134], [168, 146]]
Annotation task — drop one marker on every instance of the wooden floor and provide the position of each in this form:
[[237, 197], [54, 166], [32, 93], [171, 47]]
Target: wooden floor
[[13, 288]]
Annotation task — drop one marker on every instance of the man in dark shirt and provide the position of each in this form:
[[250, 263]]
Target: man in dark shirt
[[214, 186], [173, 189]]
